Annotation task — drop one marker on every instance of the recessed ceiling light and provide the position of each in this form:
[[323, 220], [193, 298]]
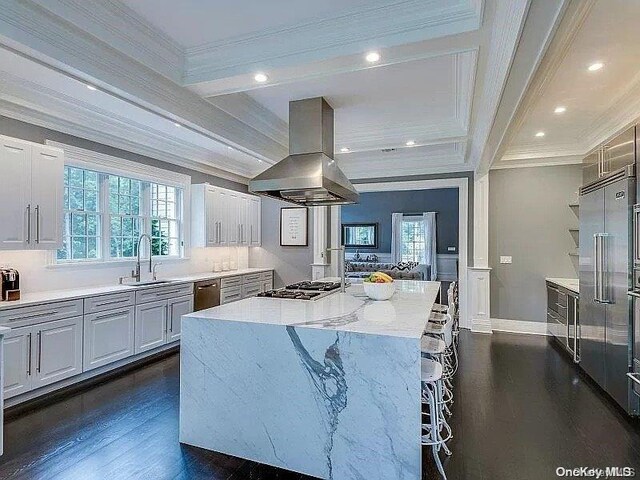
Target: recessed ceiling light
[[177, 124], [410, 143], [261, 77], [229, 148], [345, 150], [595, 66], [372, 57], [91, 87], [560, 110], [540, 134]]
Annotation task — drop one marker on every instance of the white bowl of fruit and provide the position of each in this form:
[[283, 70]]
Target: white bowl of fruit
[[379, 286]]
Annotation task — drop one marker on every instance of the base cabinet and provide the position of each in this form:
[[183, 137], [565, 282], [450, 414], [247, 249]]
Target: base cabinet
[[158, 323], [17, 361], [108, 337], [42, 354], [151, 324], [177, 307]]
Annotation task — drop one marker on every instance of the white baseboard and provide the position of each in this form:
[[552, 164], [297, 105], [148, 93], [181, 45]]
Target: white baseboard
[[519, 326], [481, 325]]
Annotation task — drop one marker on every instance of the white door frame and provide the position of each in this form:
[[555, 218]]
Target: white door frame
[[462, 184]]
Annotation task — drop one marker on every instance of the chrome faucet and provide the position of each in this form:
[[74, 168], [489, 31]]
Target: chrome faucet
[[136, 273], [343, 280]]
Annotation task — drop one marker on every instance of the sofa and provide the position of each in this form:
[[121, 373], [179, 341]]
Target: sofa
[[399, 271]]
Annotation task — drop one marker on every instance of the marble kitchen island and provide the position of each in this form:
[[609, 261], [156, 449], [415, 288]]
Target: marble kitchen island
[[329, 388]]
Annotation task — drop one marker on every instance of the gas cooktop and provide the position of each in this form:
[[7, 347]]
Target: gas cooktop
[[314, 286], [303, 291]]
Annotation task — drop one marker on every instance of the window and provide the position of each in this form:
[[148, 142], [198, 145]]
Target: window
[[82, 218], [104, 216], [413, 240], [125, 202], [165, 231]]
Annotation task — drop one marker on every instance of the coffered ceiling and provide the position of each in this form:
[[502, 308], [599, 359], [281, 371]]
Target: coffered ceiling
[[593, 104], [175, 80]]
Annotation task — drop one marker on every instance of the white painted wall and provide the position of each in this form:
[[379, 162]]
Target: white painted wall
[[36, 276]]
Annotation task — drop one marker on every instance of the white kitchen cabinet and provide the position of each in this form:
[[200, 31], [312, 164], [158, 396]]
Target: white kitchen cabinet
[[254, 222], [57, 351], [176, 308], [47, 196], [222, 217], [15, 193], [232, 208], [38, 355], [158, 322], [31, 194], [17, 361], [108, 337], [150, 325]]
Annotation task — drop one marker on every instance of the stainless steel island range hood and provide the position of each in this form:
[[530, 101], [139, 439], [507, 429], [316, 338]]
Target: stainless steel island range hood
[[309, 176]]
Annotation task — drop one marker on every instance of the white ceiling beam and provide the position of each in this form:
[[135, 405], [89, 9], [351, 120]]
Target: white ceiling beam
[[54, 41], [382, 24], [548, 35]]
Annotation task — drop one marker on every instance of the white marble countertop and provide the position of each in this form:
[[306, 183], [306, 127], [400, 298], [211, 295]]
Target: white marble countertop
[[404, 315], [36, 298], [569, 283]]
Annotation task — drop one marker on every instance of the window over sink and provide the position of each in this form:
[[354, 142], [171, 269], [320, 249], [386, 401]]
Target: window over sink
[[105, 214]]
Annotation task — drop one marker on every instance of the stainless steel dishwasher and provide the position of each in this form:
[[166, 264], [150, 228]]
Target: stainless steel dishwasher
[[206, 294]]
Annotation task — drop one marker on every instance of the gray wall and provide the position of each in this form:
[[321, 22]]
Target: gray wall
[[34, 133], [291, 264], [377, 207], [467, 175], [529, 218]]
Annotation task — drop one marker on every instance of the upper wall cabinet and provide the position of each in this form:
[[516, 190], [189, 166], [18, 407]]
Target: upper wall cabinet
[[221, 217], [613, 155], [31, 195]]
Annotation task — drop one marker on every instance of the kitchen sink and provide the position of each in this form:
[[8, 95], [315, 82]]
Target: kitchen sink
[[145, 284]]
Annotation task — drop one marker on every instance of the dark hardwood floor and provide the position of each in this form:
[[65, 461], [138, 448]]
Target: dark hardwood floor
[[521, 410]]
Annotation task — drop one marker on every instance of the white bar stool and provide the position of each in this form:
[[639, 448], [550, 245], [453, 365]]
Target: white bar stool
[[431, 371]]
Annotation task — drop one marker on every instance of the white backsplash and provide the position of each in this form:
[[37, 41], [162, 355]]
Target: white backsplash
[[37, 276]]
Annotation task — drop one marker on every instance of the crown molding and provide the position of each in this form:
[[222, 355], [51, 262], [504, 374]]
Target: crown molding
[[26, 101], [51, 122], [538, 162], [316, 39], [38, 35], [114, 23], [404, 161]]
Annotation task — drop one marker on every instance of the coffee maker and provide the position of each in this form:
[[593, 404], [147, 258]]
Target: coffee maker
[[9, 284]]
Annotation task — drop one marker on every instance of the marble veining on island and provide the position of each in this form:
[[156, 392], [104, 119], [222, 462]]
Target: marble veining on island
[[330, 388]]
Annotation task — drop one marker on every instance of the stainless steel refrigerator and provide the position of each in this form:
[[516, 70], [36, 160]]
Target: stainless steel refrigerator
[[606, 207]]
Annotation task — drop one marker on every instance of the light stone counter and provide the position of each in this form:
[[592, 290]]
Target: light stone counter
[[572, 284], [36, 298], [330, 388]]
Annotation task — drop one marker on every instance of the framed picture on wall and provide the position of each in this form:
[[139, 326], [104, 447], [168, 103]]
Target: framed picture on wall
[[293, 227]]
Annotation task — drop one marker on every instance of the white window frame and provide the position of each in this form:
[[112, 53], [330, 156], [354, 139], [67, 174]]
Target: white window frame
[[110, 165], [414, 218]]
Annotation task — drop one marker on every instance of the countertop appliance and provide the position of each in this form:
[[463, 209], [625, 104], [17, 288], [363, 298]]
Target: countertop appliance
[[9, 284], [303, 291], [309, 176], [206, 294], [605, 279]]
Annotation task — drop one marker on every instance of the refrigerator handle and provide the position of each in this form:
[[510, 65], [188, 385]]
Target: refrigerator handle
[[596, 267], [604, 269]]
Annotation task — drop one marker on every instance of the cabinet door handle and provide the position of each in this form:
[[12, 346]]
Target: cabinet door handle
[[29, 356], [111, 314], [39, 350], [37, 223], [29, 223]]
